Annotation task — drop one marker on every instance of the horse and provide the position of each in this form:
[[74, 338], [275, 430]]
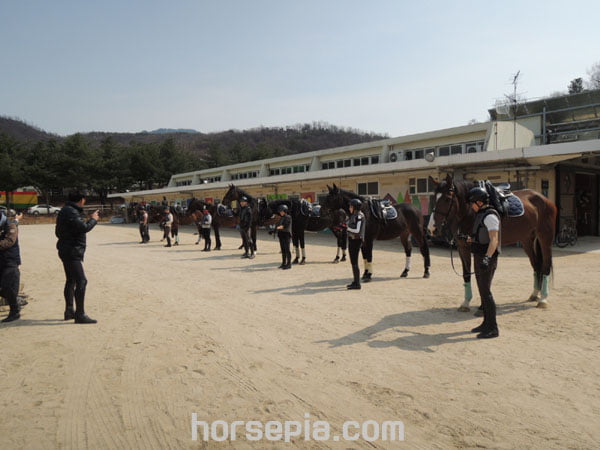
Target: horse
[[157, 214], [221, 217], [235, 193], [534, 229], [299, 210], [409, 221]]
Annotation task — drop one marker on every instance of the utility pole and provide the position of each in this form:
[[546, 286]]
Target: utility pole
[[515, 81]]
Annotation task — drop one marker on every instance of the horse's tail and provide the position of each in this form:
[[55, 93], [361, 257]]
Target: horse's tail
[[538, 257]]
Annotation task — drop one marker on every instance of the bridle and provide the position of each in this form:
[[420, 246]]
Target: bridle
[[452, 195]]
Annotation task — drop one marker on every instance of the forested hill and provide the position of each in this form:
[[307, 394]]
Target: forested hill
[[221, 148]]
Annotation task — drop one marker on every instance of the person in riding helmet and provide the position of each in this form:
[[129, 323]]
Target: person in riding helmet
[[168, 223], [205, 227], [340, 230], [485, 246], [356, 235], [284, 233], [245, 224], [143, 221]]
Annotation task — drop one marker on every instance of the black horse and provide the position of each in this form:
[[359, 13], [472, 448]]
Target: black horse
[[302, 220], [235, 193], [221, 217], [409, 221]]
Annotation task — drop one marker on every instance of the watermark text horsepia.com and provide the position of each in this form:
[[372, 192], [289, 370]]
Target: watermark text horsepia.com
[[275, 430]]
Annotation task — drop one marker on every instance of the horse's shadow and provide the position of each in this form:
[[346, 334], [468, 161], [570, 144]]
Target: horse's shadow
[[37, 323], [404, 323]]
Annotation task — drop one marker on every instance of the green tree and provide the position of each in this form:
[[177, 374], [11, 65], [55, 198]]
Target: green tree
[[576, 86], [11, 166]]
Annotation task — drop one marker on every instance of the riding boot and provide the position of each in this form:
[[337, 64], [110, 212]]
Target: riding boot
[[14, 313], [69, 294], [80, 315], [356, 283]]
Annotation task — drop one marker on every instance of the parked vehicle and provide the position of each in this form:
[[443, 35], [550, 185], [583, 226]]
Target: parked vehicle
[[43, 209]]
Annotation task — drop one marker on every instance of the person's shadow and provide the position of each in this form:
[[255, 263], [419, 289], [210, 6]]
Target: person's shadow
[[411, 339]]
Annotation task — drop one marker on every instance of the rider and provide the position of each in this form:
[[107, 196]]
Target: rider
[[245, 224], [284, 233], [340, 230], [143, 220], [168, 223], [10, 260], [356, 236], [485, 248], [205, 226]]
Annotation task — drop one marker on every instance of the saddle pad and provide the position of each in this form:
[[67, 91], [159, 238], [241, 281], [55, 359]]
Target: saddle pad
[[315, 211], [515, 206], [390, 213]]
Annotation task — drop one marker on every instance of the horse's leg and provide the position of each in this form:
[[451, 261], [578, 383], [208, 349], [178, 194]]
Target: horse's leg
[[301, 239], [296, 248], [405, 239], [367, 254], [464, 251], [424, 248], [528, 247], [175, 233], [544, 247], [217, 236]]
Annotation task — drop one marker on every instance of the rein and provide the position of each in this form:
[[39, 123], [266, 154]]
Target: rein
[[451, 191]]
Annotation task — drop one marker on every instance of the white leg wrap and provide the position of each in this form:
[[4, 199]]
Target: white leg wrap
[[297, 252], [407, 267], [303, 254]]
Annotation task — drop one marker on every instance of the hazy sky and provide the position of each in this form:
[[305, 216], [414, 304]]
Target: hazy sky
[[393, 67]]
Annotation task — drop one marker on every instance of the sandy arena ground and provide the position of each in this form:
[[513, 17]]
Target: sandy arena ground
[[182, 332]]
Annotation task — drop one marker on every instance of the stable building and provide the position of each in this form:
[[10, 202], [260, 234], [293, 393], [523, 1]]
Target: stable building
[[550, 145]]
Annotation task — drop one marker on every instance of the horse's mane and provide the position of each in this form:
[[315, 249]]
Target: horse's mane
[[351, 194], [241, 192]]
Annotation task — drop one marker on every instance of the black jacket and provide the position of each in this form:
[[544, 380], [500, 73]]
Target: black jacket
[[10, 255], [70, 231], [245, 217]]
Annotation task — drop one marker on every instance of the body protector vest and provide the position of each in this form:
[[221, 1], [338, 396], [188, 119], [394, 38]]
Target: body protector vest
[[481, 237]]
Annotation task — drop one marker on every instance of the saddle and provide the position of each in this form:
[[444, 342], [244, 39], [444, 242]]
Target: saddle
[[223, 211], [503, 199], [383, 210]]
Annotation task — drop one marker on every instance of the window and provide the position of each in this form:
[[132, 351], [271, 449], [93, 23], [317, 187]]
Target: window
[[420, 186], [347, 163], [456, 149], [419, 154], [371, 188], [364, 161], [339, 164], [444, 151], [375, 159], [356, 162]]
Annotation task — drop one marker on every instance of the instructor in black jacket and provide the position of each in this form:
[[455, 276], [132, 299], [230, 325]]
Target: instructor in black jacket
[[71, 229]]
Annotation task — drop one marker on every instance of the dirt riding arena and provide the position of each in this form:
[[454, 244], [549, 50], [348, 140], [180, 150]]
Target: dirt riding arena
[[181, 331]]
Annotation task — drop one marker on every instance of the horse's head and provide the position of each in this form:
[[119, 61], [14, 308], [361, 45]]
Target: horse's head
[[334, 199], [230, 195], [446, 206]]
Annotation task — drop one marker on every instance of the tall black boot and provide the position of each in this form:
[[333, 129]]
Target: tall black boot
[[14, 313], [80, 315], [356, 283], [69, 295]]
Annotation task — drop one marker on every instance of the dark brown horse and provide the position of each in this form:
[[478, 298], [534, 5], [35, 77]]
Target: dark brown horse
[[221, 217], [235, 193], [534, 230], [408, 222]]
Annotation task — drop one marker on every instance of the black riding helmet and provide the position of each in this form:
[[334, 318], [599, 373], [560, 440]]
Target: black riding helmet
[[356, 204], [244, 199], [282, 208], [478, 194]]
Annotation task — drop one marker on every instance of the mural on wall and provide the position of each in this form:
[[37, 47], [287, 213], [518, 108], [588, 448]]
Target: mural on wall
[[209, 200], [308, 196]]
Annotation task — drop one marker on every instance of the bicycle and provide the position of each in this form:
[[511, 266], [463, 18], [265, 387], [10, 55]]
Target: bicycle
[[566, 236]]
